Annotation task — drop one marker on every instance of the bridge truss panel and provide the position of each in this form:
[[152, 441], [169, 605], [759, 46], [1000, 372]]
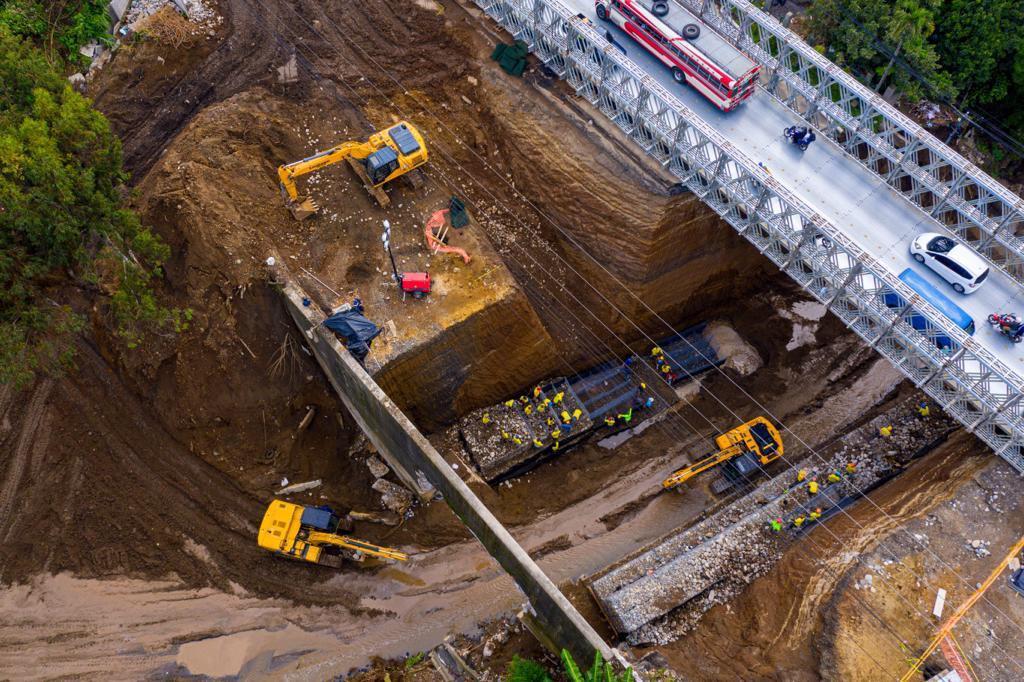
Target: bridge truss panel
[[966, 380], [939, 181]]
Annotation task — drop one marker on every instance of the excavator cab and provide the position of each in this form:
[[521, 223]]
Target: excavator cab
[[742, 452], [387, 155]]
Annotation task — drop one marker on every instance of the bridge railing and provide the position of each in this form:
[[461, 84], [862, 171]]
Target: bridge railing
[[939, 181], [966, 380]]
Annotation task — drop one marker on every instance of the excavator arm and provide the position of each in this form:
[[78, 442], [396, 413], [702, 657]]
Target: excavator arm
[[289, 171], [320, 539], [686, 473]]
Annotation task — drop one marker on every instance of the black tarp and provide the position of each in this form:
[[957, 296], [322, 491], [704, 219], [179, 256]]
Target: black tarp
[[357, 331]]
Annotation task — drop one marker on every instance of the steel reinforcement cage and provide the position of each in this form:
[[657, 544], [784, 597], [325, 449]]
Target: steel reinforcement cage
[[965, 379]]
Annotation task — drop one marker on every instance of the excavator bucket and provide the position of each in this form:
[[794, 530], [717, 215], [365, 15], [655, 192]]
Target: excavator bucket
[[303, 209]]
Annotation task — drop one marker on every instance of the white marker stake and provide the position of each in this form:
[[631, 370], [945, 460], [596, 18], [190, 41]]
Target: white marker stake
[[940, 602]]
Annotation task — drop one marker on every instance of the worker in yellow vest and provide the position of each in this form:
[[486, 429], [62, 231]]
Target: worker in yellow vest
[[816, 514], [536, 392], [509, 403], [565, 417], [537, 443], [517, 440], [812, 487], [554, 448], [576, 414], [834, 477], [558, 397], [506, 435], [885, 431], [851, 468], [923, 409], [528, 410], [609, 420], [801, 476], [556, 434], [486, 419], [799, 521]]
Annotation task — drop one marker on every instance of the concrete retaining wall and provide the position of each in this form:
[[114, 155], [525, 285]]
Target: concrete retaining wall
[[401, 443]]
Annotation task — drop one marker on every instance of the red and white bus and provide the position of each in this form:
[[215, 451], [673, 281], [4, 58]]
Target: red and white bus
[[696, 54]]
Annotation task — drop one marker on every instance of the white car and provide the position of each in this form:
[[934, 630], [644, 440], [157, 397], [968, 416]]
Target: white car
[[951, 260]]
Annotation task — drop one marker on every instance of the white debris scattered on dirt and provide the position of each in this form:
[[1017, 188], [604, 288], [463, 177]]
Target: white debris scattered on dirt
[[979, 547], [196, 10], [299, 487], [805, 316], [376, 466]]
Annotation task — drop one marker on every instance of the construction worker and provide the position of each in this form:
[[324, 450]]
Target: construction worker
[[776, 525], [812, 487], [551, 421], [505, 435], [558, 397], [628, 416], [517, 440], [554, 448], [541, 407], [851, 468], [665, 369], [885, 431], [556, 434], [801, 476], [528, 410], [576, 414], [799, 521], [536, 392], [923, 409], [609, 420], [565, 416], [537, 443], [655, 352], [486, 419], [649, 402], [509, 403], [816, 514], [834, 477], [524, 400]]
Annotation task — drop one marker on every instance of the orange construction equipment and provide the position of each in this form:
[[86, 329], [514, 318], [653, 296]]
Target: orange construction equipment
[[435, 239], [947, 627]]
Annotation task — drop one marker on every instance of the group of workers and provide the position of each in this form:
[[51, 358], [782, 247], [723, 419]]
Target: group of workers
[[885, 431], [558, 417], [662, 364]]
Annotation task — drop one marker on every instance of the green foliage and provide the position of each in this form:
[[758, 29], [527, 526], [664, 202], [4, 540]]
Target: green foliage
[[61, 220], [600, 671], [59, 27], [873, 37], [413, 660], [525, 670]]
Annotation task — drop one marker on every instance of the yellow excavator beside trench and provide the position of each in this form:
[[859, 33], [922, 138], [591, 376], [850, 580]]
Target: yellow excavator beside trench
[[310, 534], [388, 154], [743, 450]]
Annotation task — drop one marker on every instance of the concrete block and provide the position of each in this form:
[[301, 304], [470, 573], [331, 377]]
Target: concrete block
[[117, 9]]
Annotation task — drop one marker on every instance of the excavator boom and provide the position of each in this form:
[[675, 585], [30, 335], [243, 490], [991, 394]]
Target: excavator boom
[[757, 436], [309, 534], [388, 154]]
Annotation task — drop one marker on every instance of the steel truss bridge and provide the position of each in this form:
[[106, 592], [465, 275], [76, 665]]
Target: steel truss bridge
[[908, 179]]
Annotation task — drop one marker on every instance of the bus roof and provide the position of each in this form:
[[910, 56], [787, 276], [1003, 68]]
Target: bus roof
[[717, 48], [939, 300]]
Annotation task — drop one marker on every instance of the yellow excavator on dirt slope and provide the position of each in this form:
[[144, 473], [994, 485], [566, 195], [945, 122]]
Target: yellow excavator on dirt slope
[[388, 154], [744, 450], [310, 534]]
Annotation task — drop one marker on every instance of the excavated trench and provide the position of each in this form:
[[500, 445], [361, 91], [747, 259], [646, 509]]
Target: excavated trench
[[164, 456]]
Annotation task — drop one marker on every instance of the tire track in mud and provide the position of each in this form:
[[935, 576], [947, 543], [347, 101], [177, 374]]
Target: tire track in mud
[[27, 442]]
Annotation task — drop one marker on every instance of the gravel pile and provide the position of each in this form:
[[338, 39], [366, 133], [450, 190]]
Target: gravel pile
[[493, 455], [198, 11], [661, 593]]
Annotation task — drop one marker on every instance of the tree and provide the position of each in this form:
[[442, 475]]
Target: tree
[[59, 27], [62, 225], [874, 37]]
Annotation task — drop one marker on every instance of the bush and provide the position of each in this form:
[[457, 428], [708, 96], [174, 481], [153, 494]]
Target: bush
[[525, 670], [62, 222]]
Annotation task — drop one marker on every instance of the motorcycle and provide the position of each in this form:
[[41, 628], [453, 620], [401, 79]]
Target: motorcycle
[[800, 136], [1009, 325]]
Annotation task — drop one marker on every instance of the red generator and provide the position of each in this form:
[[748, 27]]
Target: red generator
[[416, 283]]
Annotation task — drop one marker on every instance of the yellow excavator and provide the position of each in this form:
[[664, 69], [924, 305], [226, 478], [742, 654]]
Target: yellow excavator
[[310, 534], [387, 155], [743, 451]]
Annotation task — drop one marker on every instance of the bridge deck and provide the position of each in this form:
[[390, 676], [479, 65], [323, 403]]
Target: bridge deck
[[852, 198]]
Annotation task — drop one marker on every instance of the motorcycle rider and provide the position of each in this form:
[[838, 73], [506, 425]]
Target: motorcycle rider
[[799, 135], [1009, 324]]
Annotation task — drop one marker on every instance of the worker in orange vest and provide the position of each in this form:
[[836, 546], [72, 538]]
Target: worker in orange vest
[[851, 468]]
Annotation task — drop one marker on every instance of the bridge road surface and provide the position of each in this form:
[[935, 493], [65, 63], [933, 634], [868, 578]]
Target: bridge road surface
[[855, 200]]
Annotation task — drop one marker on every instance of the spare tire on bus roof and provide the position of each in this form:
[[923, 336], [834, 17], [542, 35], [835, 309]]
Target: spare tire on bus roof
[[659, 8], [691, 31]]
